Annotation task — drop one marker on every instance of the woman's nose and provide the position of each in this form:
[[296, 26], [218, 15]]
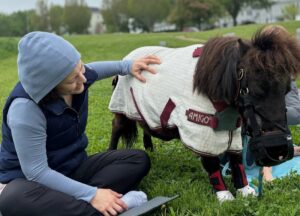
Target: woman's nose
[[82, 78]]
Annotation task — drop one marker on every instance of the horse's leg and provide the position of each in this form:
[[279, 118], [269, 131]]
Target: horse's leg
[[117, 127], [212, 166], [239, 176], [237, 170], [147, 141]]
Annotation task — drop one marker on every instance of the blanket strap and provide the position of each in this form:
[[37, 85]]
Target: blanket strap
[[219, 105], [166, 113], [197, 52]]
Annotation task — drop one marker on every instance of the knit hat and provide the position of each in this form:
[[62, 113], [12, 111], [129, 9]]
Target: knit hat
[[44, 60]]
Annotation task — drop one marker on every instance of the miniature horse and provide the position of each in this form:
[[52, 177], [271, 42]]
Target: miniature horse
[[203, 94]]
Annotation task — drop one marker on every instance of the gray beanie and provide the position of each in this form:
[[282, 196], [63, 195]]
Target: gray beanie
[[44, 60]]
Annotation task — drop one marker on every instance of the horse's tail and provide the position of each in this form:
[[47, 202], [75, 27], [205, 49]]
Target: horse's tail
[[129, 132]]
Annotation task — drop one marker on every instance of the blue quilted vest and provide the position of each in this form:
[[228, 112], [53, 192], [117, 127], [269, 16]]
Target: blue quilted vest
[[66, 139]]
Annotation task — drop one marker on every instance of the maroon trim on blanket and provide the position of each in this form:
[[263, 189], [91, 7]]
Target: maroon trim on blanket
[[197, 52], [220, 105], [166, 133], [166, 113], [201, 118], [136, 106]]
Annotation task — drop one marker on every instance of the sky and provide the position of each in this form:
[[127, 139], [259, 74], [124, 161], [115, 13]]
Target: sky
[[9, 6]]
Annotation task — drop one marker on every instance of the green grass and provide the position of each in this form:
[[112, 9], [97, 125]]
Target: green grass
[[175, 170]]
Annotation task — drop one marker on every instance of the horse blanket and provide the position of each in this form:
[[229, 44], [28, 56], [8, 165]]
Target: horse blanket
[[167, 101]]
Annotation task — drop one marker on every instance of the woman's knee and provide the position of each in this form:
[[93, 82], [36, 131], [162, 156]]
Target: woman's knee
[[142, 160], [13, 196]]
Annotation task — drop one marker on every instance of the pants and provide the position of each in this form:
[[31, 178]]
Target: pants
[[119, 170]]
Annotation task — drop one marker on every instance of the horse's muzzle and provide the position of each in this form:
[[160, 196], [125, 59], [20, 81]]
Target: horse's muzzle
[[272, 148]]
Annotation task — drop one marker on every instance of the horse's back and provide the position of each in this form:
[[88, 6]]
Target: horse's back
[[146, 101]]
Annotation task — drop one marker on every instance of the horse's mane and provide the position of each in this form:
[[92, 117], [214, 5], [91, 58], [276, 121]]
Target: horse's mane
[[215, 74], [271, 53]]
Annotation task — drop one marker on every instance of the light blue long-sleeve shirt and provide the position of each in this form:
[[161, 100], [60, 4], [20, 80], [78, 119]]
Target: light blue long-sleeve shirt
[[28, 125]]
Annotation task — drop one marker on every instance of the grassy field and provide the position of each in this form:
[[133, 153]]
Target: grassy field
[[175, 170]]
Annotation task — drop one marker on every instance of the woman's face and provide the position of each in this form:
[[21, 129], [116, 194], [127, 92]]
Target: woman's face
[[73, 83]]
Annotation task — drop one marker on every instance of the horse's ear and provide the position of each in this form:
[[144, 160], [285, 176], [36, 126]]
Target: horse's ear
[[244, 46]]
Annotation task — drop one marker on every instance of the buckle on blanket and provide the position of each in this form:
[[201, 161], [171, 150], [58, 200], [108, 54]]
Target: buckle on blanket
[[202, 118], [197, 52]]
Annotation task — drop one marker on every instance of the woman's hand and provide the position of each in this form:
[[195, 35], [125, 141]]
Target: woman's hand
[[108, 202], [143, 64]]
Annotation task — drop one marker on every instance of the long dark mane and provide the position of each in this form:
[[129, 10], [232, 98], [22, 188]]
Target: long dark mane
[[215, 74]]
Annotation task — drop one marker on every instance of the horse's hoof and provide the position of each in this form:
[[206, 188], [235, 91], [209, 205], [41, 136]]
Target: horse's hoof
[[224, 196]]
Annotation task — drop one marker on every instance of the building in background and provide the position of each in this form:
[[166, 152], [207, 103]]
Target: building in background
[[249, 15], [96, 23]]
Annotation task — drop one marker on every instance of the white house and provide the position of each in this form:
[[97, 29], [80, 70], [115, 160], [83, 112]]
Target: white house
[[96, 23], [269, 15]]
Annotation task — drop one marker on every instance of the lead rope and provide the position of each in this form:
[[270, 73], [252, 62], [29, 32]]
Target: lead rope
[[260, 182]]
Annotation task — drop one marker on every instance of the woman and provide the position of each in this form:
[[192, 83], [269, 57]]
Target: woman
[[44, 168]]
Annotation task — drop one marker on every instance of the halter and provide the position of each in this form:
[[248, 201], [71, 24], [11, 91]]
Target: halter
[[268, 149]]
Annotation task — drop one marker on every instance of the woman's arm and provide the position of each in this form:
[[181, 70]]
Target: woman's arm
[[107, 69], [28, 126], [292, 101], [134, 67]]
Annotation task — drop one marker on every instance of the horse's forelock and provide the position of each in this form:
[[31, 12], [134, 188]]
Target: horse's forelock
[[275, 50]]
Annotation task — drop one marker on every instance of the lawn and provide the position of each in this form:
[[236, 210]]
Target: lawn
[[175, 170]]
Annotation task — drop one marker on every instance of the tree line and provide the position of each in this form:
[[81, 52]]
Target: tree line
[[181, 12], [73, 18]]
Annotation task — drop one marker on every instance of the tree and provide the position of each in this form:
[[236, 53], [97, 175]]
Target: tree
[[233, 7], [18, 23], [32, 21], [56, 18], [77, 16], [145, 13], [290, 12], [115, 15], [42, 13], [15, 24], [194, 12], [146, 16], [4, 25]]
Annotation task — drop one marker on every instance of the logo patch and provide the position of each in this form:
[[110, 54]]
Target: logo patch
[[202, 118]]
